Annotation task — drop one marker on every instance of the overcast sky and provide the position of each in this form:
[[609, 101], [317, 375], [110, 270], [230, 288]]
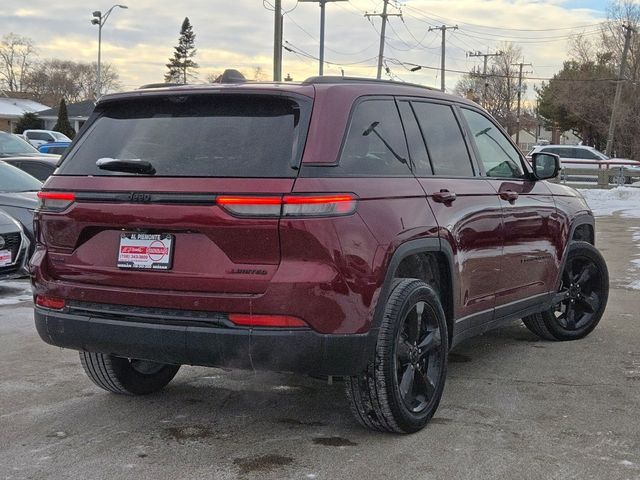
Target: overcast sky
[[239, 34]]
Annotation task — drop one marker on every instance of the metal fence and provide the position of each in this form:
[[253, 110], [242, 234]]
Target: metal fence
[[609, 174]]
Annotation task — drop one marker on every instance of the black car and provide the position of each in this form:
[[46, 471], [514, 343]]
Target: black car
[[18, 196], [13, 248]]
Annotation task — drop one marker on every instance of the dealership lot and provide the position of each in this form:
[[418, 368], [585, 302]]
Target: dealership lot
[[514, 406]]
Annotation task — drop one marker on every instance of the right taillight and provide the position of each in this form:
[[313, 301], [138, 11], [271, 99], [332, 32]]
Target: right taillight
[[55, 201], [328, 205]]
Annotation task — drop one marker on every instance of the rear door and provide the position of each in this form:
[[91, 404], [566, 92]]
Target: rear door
[[466, 207], [531, 226], [207, 151]]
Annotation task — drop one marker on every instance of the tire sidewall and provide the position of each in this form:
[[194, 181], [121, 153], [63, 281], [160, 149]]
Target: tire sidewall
[[416, 291]]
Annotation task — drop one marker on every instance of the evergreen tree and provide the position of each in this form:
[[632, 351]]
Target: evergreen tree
[[63, 125], [29, 121], [181, 65]]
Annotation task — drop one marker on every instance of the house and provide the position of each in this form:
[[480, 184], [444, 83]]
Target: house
[[528, 139], [11, 109], [78, 114]]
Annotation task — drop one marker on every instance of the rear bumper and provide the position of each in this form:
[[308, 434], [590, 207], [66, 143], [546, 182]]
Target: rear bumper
[[302, 351]]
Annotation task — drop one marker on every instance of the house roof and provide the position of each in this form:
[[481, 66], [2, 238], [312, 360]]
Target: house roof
[[16, 107], [74, 110]]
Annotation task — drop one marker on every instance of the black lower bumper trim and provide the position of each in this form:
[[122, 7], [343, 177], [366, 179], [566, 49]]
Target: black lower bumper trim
[[302, 351]]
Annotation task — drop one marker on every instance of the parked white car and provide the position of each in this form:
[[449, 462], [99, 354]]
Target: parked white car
[[582, 156], [40, 137]]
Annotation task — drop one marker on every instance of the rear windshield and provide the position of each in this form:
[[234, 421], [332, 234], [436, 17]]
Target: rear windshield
[[220, 135], [13, 179]]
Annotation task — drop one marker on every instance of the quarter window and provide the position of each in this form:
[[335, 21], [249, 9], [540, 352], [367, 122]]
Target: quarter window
[[498, 156], [444, 140]]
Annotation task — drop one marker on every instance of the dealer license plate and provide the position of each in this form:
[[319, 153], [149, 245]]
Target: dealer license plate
[[145, 251], [5, 258]]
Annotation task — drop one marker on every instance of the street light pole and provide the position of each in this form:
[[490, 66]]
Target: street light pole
[[100, 19]]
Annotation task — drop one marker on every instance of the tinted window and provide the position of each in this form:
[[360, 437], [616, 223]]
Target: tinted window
[[561, 152], [41, 171], [39, 136], [587, 154], [417, 149], [375, 143], [498, 156], [445, 143], [196, 135], [13, 179]]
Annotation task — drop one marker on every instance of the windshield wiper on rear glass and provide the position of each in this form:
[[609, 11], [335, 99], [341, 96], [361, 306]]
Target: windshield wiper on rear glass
[[129, 165]]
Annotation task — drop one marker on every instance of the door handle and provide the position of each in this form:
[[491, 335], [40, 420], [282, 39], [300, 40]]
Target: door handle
[[443, 196], [509, 195]]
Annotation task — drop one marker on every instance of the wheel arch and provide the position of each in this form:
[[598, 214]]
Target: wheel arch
[[582, 229], [429, 259]]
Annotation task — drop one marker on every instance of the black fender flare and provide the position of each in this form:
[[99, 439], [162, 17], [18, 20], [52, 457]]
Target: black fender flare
[[579, 220], [411, 247]]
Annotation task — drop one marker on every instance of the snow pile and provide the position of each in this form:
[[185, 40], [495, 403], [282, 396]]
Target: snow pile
[[623, 200]]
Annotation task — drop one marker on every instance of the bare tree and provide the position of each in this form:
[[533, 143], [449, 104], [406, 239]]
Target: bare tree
[[502, 90], [16, 57], [73, 81]]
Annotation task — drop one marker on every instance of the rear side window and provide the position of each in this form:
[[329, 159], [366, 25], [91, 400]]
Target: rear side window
[[375, 143], [445, 143], [223, 135]]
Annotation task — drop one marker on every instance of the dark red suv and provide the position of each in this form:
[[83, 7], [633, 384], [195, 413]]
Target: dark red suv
[[337, 227]]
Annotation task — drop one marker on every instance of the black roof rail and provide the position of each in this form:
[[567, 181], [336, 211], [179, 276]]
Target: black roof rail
[[160, 85], [339, 79]]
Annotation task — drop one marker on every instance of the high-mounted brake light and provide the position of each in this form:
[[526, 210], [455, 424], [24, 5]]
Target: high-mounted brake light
[[289, 205], [55, 201], [281, 321]]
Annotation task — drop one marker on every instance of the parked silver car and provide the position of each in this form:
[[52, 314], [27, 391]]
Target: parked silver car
[[14, 247]]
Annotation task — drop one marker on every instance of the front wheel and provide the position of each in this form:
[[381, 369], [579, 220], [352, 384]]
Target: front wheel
[[581, 298], [402, 386], [126, 375]]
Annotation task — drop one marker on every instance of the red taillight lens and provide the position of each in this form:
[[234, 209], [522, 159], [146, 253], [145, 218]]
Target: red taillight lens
[[289, 205], [318, 205], [50, 302], [281, 321], [55, 201], [251, 206]]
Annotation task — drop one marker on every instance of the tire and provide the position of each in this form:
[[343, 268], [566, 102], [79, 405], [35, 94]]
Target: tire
[[402, 386], [126, 376], [585, 287]]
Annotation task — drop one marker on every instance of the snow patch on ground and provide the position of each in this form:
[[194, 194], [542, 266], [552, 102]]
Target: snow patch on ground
[[622, 200], [13, 292]]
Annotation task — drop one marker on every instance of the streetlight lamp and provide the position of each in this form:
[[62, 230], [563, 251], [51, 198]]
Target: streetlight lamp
[[322, 15], [100, 19]]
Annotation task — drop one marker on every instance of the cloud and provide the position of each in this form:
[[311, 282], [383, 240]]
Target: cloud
[[140, 40]]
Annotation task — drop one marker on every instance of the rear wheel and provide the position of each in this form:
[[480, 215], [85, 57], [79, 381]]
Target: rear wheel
[[581, 298], [402, 386], [126, 376]]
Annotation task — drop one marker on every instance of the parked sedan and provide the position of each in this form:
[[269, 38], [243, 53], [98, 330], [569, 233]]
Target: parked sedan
[[18, 196], [41, 168], [14, 246], [14, 146]]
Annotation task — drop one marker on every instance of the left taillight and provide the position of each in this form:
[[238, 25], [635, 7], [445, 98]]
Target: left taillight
[[53, 303], [55, 201]]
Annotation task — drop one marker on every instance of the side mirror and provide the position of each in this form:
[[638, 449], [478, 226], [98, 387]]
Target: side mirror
[[545, 165]]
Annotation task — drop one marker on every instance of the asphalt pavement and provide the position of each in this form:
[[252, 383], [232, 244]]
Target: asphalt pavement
[[514, 407]]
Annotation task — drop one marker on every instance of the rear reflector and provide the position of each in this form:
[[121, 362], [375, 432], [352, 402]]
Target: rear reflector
[[55, 201], [289, 205], [282, 321], [50, 302]]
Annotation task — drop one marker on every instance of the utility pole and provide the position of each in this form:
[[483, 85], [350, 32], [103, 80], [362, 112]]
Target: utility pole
[[484, 72], [443, 29], [521, 64], [623, 63], [384, 16], [277, 40], [322, 17]]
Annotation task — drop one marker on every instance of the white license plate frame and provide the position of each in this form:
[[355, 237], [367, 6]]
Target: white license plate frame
[[145, 251]]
